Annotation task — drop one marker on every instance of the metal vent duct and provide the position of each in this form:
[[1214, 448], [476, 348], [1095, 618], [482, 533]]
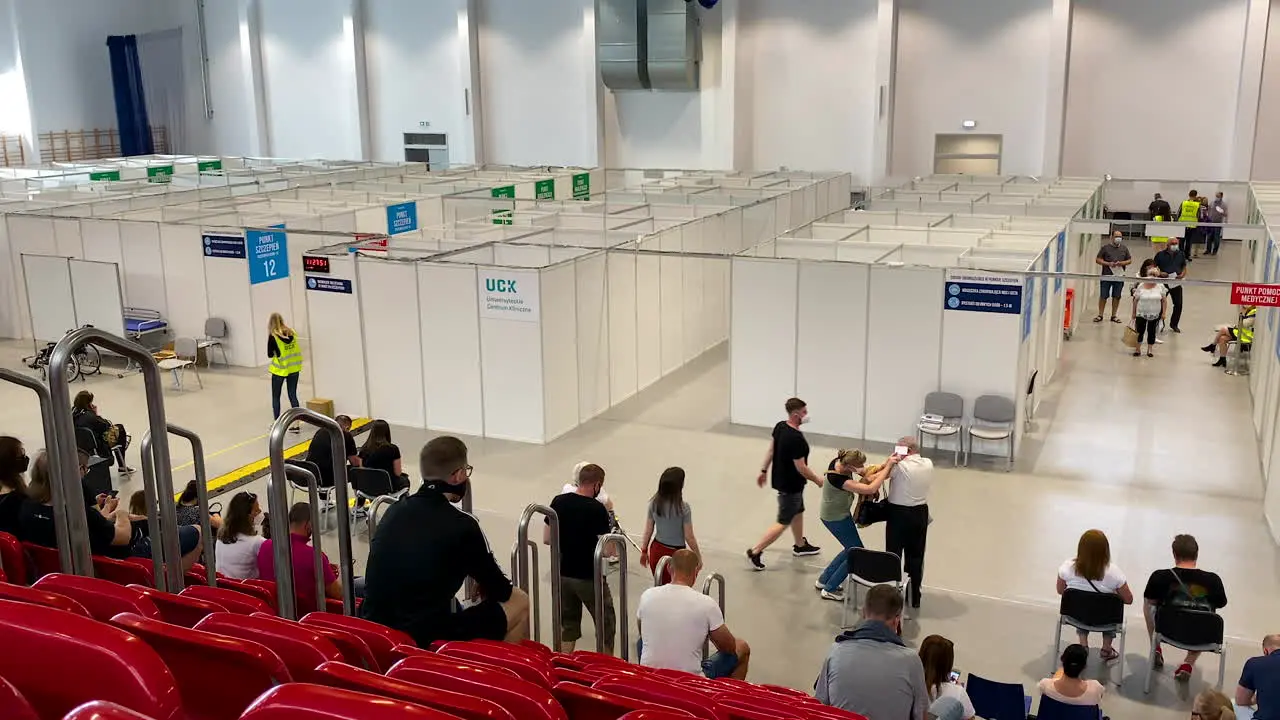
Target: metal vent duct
[[648, 44]]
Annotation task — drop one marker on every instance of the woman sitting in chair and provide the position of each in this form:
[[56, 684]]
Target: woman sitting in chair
[[379, 453], [1091, 570], [110, 530], [1242, 333], [1066, 685], [110, 439]]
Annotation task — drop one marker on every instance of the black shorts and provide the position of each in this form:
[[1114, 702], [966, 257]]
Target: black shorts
[[485, 621], [789, 506]]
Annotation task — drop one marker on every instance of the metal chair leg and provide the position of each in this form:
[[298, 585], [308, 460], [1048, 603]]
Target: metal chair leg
[[848, 586], [1057, 645], [1222, 664], [1151, 662], [1123, 635]]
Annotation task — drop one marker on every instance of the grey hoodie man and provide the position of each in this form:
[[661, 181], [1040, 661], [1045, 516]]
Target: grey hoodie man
[[870, 671]]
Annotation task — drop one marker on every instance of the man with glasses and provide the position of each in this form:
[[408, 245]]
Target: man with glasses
[[423, 551]]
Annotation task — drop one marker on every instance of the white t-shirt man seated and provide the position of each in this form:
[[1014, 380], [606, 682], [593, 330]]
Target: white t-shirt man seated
[[675, 620]]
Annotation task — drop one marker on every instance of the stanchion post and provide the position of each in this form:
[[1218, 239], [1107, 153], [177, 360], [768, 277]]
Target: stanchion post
[[526, 579], [624, 633], [202, 494], [49, 417], [706, 590], [660, 571], [468, 585], [313, 496]]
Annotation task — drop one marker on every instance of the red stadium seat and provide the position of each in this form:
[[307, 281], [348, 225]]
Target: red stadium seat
[[12, 705], [522, 662], [58, 660], [789, 692], [13, 560], [301, 648], [334, 605], [594, 658], [99, 710], [253, 589], [568, 662], [233, 601], [300, 701], [533, 645], [103, 599], [760, 699], [583, 703], [663, 692], [354, 651], [651, 715], [19, 593], [467, 707], [559, 674], [739, 709], [479, 669], [178, 609], [41, 560], [124, 572], [218, 677], [522, 699], [380, 638]]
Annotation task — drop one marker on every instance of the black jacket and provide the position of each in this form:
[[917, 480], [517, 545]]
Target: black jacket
[[1160, 207]]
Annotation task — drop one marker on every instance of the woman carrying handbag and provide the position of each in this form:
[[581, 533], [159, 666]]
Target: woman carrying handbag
[[847, 478]]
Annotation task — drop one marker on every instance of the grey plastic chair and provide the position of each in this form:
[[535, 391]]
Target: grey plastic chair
[[993, 419], [215, 331], [184, 351], [950, 407]]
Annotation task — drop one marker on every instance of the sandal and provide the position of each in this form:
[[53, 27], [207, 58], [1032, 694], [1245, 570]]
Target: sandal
[[1115, 319], [1098, 319], [1108, 654]]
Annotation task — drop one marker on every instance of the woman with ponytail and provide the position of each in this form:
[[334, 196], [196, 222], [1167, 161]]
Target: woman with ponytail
[[848, 477], [1066, 686], [1212, 705]]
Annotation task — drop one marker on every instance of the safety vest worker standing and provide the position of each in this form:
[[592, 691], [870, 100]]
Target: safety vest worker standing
[[286, 363], [1188, 213]]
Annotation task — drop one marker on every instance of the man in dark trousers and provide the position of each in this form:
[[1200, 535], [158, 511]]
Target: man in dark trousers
[[1189, 213], [1159, 208], [1172, 263]]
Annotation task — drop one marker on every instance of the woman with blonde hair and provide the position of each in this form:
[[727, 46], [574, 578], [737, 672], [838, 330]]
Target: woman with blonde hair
[[1212, 705], [848, 478], [286, 362], [1091, 570]]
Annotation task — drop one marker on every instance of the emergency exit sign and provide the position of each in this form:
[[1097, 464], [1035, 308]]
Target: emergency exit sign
[[1253, 294]]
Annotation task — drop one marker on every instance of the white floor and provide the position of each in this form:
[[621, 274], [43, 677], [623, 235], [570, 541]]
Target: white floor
[[1140, 448]]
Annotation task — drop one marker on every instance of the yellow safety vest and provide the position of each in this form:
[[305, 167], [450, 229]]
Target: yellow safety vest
[[1156, 239], [1245, 334], [1190, 212], [289, 360]]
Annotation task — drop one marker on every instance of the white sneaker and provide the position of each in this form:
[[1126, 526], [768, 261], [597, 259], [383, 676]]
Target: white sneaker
[[817, 585], [838, 595], [1159, 341]]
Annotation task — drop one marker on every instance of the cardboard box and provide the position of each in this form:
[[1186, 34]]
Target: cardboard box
[[324, 406]]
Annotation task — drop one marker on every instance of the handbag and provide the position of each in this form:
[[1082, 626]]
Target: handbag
[[871, 509], [1130, 337]]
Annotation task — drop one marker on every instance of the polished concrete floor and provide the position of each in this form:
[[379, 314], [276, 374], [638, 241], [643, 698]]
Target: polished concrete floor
[[1141, 448]]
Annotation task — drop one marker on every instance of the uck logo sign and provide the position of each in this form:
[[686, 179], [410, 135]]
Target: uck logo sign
[[500, 285], [509, 296]]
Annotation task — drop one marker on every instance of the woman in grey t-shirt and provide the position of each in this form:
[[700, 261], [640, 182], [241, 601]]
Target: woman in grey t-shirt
[[669, 525]]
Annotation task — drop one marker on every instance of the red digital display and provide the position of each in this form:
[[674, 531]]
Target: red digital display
[[313, 264]]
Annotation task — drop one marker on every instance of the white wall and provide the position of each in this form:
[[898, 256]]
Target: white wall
[[233, 129], [538, 78], [309, 74], [1151, 94], [1266, 149], [985, 61], [786, 43]]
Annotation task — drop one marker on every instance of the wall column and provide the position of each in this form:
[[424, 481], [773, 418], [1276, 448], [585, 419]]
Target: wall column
[[1249, 94], [254, 81], [886, 70], [1055, 106]]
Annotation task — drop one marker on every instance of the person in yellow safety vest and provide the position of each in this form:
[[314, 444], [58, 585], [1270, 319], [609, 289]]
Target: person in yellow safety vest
[[286, 362], [1189, 212], [1157, 241], [1242, 333]]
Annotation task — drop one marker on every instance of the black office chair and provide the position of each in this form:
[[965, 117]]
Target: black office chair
[[1091, 612], [1190, 630], [868, 568]]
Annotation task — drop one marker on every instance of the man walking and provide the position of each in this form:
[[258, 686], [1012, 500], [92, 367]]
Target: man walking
[[869, 670], [1113, 257], [675, 621], [1217, 214], [789, 457], [583, 519], [1171, 262], [1159, 209]]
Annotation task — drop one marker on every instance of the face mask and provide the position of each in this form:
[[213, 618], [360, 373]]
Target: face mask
[[597, 492], [436, 485], [257, 523], [23, 463], [1115, 241], [804, 420], [1173, 247]]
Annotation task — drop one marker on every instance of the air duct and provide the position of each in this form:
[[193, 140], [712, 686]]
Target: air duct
[[648, 44]]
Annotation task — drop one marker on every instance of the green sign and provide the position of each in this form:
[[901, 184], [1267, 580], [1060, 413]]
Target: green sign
[[582, 186], [502, 216], [544, 190], [104, 176], [159, 173], [208, 165]]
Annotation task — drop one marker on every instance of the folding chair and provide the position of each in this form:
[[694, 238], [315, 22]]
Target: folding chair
[[215, 331], [1051, 709], [1091, 612], [868, 568], [1191, 630], [950, 407], [993, 419], [996, 700]]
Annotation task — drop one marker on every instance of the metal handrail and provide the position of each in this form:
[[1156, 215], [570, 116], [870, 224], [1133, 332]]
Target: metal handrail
[[278, 501], [57, 488], [159, 484], [469, 584], [202, 495], [624, 632], [660, 570], [531, 588], [371, 512], [525, 580], [706, 590], [299, 473]]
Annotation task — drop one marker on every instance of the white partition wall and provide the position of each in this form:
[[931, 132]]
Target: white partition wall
[[47, 280], [906, 304], [831, 342], [762, 339], [143, 263], [451, 366], [227, 297], [511, 363], [389, 317], [334, 350], [95, 289]]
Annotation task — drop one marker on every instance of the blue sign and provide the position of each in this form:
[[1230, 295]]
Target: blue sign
[[1044, 291], [224, 246], [1060, 262], [983, 297], [1026, 308], [402, 218], [325, 284], [270, 255]]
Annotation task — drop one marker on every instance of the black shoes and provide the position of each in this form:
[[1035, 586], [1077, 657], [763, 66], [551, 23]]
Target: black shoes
[[805, 549], [754, 558], [1222, 362], [1207, 348]]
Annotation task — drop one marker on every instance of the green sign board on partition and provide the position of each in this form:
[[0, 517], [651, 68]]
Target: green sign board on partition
[[582, 186], [544, 190], [208, 165], [104, 176], [159, 173], [503, 216]]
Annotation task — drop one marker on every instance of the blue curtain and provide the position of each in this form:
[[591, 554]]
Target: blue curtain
[[131, 106]]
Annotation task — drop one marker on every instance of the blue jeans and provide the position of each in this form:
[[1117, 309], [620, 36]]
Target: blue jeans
[[846, 531]]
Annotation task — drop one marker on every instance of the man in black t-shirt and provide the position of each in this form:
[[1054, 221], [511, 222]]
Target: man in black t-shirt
[[318, 451], [1172, 263], [1183, 586], [788, 455], [583, 519]]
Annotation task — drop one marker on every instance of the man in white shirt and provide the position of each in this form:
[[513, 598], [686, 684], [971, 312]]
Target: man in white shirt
[[907, 524], [676, 620]]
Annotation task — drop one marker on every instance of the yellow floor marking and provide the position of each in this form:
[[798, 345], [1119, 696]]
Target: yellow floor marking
[[258, 466]]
